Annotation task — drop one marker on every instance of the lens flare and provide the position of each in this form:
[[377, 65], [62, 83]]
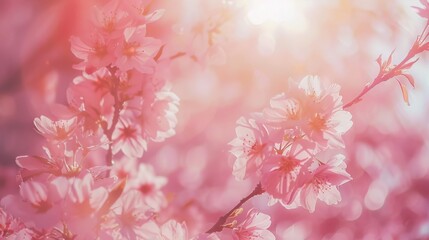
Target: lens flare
[[289, 14]]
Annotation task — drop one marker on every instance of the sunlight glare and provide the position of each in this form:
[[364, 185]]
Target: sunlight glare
[[287, 13]]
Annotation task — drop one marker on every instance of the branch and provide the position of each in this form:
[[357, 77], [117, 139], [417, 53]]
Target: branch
[[382, 77], [118, 106], [222, 220], [418, 47], [178, 55], [159, 53]]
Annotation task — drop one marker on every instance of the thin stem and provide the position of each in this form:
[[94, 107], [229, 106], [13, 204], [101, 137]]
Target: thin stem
[[381, 78], [160, 51], [219, 225], [177, 55], [358, 98], [117, 108], [421, 40], [394, 71]]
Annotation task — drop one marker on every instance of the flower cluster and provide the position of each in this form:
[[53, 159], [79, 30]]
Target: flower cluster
[[254, 226], [118, 104], [122, 88], [89, 181], [293, 145]]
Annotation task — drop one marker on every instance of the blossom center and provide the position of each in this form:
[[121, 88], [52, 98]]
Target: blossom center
[[61, 131], [84, 208], [128, 132], [100, 50], [42, 206], [321, 185], [130, 49], [128, 219], [140, 10], [249, 144], [292, 109], [318, 122], [288, 164], [109, 24], [146, 188]]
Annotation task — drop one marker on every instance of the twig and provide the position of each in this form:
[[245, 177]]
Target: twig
[[118, 106], [418, 47], [219, 225], [177, 55]]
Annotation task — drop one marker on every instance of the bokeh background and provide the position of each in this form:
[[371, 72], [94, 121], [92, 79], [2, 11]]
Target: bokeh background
[[263, 44]]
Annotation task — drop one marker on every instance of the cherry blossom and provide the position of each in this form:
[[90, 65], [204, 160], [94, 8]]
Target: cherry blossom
[[311, 109], [83, 201], [206, 35], [158, 119], [423, 12], [98, 52], [279, 145], [207, 236], [254, 227], [12, 228], [55, 130], [38, 203], [284, 111], [280, 173], [58, 161], [89, 92], [134, 83], [173, 230], [109, 167], [131, 219], [250, 147], [137, 50], [141, 177], [110, 19], [140, 11], [129, 139], [322, 182]]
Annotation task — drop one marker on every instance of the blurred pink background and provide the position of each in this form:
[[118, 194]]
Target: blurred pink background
[[386, 149]]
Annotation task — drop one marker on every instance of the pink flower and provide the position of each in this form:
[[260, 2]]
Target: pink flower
[[125, 168], [128, 138], [149, 185], [280, 173], [90, 98], [146, 86], [142, 178], [172, 230], [158, 119], [83, 201], [284, 112], [84, 196], [58, 161], [254, 227], [90, 93], [130, 219], [55, 130], [206, 38], [322, 182], [311, 110], [206, 236], [423, 12], [110, 19], [95, 53], [34, 165], [250, 147], [327, 121], [12, 228], [137, 51], [39, 202], [140, 13]]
